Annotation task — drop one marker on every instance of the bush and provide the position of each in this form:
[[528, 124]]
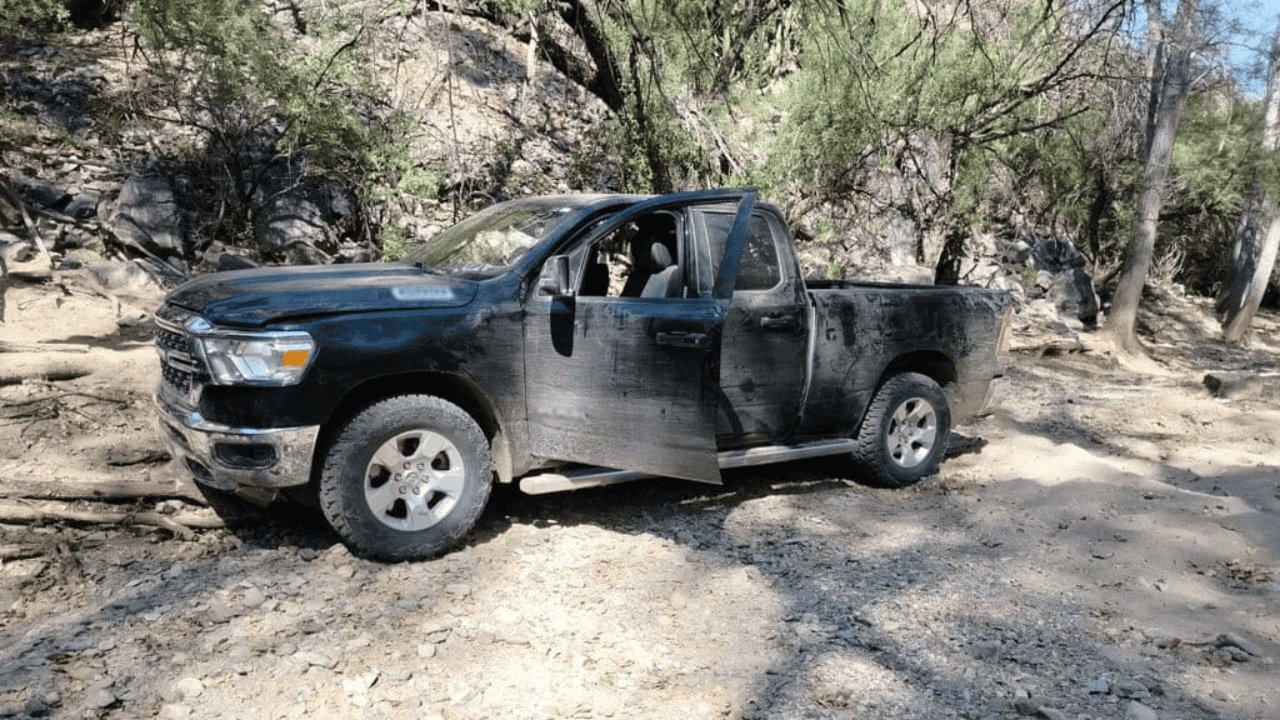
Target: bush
[[21, 16]]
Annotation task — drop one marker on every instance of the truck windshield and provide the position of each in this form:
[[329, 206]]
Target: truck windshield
[[494, 239]]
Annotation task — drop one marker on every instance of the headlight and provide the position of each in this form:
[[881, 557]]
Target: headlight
[[269, 358]]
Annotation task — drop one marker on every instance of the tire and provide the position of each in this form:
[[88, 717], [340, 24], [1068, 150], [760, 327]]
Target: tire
[[406, 478], [904, 432]]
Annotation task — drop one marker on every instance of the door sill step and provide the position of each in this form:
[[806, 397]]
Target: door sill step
[[768, 454], [580, 478]]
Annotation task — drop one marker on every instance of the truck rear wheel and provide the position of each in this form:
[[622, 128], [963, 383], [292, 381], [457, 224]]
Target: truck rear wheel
[[406, 478], [904, 432]]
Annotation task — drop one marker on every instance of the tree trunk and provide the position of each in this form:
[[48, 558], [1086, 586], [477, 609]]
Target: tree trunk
[[1251, 261], [1172, 90], [1155, 70], [1097, 209]]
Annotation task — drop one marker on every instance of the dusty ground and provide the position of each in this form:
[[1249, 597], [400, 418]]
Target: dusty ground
[[1105, 546]]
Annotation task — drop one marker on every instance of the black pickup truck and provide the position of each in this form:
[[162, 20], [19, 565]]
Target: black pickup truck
[[561, 342]]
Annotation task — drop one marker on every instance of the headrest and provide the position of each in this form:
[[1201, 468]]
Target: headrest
[[652, 255]]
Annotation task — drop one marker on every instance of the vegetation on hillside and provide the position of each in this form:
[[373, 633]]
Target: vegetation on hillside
[[871, 121]]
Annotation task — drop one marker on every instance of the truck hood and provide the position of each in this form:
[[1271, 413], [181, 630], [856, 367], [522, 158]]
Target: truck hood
[[252, 298]]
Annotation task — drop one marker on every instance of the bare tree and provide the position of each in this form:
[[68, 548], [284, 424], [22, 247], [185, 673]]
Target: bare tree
[[1178, 45], [1251, 260]]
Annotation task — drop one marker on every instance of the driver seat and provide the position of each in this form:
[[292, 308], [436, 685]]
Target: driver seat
[[654, 273]]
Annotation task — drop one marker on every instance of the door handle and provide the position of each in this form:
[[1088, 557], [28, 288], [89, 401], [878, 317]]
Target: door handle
[[682, 339], [778, 323]]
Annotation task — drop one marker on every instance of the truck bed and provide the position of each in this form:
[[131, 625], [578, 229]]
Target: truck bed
[[859, 326]]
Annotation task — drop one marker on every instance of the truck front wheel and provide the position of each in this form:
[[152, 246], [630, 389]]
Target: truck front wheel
[[406, 477], [904, 431]]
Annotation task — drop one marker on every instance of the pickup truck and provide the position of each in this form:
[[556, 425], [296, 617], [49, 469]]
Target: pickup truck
[[560, 342]]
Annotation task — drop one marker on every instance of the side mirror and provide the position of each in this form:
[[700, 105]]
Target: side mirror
[[554, 279]]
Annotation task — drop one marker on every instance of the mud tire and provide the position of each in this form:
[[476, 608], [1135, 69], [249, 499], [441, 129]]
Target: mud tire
[[343, 477], [874, 455]]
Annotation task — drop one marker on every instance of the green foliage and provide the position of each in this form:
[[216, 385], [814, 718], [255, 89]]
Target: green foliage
[[879, 74], [1027, 276], [1216, 157], [235, 74], [387, 169], [32, 15], [1216, 148], [393, 241], [518, 7]]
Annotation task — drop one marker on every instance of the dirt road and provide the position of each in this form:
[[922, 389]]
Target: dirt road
[[1104, 546]]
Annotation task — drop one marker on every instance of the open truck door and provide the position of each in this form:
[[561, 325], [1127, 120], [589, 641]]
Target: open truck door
[[632, 381]]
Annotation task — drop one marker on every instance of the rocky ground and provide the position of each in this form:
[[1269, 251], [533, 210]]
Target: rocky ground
[[1104, 546]]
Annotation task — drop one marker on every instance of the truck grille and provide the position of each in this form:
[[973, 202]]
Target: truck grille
[[180, 366]]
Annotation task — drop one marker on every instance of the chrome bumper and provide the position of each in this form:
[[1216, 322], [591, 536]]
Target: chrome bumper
[[226, 457]]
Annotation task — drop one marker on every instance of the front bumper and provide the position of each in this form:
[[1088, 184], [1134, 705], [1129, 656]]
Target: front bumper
[[225, 457]]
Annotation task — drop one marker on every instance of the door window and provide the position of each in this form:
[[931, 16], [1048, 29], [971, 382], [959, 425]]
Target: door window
[[641, 259], [760, 265]]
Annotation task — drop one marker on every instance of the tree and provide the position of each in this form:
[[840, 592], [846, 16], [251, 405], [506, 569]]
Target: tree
[[1167, 97], [1251, 261]]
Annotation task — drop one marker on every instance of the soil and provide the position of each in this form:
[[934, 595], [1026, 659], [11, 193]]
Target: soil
[[1105, 545]]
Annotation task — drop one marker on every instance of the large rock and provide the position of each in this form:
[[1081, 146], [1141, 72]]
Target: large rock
[[41, 193], [147, 213], [83, 206], [301, 225], [1060, 274], [116, 275]]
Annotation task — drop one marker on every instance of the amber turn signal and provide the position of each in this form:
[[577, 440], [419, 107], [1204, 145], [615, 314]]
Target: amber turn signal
[[295, 358]]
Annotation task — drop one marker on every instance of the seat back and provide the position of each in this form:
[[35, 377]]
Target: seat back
[[654, 272]]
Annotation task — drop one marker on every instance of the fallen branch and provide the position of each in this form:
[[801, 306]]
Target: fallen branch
[[1051, 348], [18, 370], [32, 231], [12, 347], [123, 491], [58, 395], [19, 552], [180, 525]]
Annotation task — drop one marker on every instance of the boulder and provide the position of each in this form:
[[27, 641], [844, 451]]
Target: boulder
[[42, 194], [83, 205], [233, 261], [147, 214], [290, 220], [10, 215], [299, 223], [1060, 274], [15, 249], [1074, 296], [116, 276]]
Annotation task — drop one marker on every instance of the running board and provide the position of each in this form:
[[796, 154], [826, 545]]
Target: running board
[[577, 479], [768, 454]]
